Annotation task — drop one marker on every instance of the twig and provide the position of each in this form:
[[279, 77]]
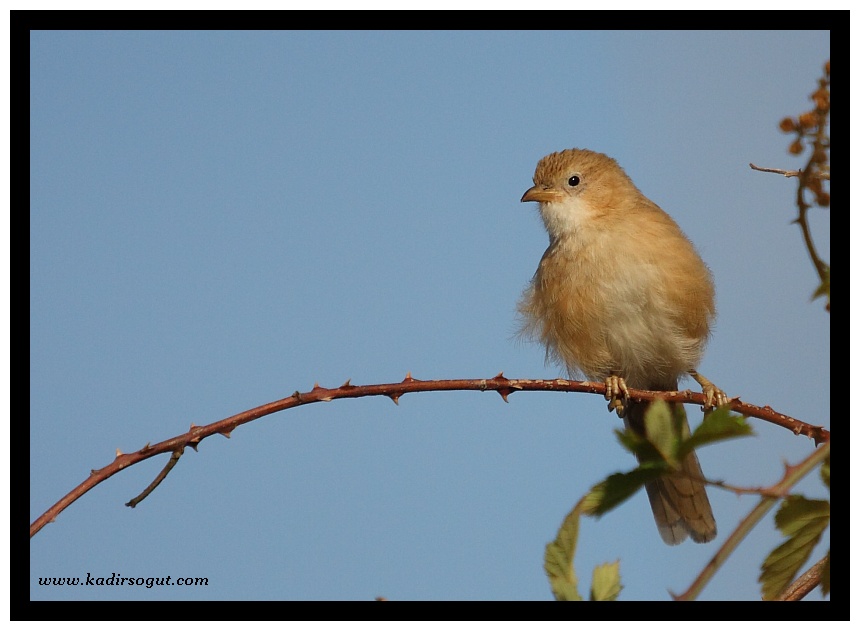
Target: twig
[[804, 584], [821, 267], [780, 171], [747, 490], [161, 475]]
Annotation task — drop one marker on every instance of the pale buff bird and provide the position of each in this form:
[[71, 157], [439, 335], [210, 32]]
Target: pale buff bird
[[622, 296]]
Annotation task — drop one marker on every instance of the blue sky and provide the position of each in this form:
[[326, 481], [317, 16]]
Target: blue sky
[[220, 219]]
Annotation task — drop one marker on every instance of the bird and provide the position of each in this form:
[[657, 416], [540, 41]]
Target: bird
[[622, 296]]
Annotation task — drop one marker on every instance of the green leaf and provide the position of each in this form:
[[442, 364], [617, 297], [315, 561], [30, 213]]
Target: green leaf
[[558, 559], [630, 440], [638, 445], [661, 430], [797, 512], [802, 521], [719, 424], [607, 494], [606, 582], [558, 564]]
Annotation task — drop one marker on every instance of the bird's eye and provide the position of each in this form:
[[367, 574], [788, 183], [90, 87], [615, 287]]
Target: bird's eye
[[573, 181]]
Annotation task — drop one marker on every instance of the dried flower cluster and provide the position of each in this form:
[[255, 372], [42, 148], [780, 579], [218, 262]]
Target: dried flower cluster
[[812, 128]]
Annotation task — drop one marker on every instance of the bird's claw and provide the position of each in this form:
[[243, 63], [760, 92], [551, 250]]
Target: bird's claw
[[714, 396], [617, 394]]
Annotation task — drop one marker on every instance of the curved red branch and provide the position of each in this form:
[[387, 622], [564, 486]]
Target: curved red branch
[[499, 383]]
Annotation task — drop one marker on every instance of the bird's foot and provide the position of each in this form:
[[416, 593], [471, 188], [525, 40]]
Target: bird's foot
[[616, 394], [714, 397]]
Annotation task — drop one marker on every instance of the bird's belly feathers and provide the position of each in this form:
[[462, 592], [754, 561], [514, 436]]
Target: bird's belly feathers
[[610, 316]]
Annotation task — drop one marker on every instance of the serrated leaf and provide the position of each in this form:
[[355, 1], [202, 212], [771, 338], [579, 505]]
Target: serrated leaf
[[796, 512], [719, 424], [607, 494], [802, 520], [606, 582], [558, 559], [661, 430]]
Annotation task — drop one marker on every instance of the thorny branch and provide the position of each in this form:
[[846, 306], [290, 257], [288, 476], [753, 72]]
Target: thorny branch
[[394, 391], [793, 473]]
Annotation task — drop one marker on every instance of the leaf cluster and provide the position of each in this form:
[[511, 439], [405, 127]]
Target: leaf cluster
[[665, 442]]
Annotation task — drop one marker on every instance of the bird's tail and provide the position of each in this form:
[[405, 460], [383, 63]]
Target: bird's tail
[[679, 500]]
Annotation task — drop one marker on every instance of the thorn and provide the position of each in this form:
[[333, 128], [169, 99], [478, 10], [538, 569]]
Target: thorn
[[505, 392], [408, 377], [118, 452], [192, 427], [501, 375], [328, 398], [146, 447], [316, 386], [226, 434], [193, 446], [346, 384], [395, 398]]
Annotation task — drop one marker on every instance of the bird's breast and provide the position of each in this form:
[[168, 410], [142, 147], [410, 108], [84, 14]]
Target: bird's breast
[[600, 310]]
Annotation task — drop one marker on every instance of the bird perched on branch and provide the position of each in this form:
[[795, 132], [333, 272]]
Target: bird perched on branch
[[622, 296]]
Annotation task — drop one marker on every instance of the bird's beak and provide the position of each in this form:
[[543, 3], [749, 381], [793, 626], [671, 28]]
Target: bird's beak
[[540, 193]]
